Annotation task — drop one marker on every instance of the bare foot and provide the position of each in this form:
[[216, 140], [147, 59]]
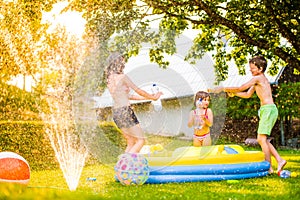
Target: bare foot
[[270, 171], [281, 165]]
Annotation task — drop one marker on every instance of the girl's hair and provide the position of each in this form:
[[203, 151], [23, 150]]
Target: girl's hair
[[259, 62], [200, 94], [115, 64]]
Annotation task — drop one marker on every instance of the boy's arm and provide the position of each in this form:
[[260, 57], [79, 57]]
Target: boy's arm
[[246, 94], [242, 88]]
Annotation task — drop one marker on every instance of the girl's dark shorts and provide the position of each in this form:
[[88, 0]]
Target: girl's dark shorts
[[124, 117]]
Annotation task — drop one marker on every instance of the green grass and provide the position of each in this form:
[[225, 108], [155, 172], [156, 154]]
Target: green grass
[[50, 184]]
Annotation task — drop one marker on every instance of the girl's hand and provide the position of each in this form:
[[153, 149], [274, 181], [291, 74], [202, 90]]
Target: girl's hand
[[204, 117], [157, 95]]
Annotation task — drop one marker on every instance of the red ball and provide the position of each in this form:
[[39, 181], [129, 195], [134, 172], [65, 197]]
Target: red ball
[[14, 168]]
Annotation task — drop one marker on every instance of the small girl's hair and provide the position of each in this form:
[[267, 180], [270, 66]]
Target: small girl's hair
[[202, 95]]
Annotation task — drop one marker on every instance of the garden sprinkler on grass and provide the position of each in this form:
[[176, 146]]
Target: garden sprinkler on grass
[[91, 179], [284, 174]]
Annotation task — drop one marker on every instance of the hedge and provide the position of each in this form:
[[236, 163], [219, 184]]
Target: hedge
[[28, 139], [286, 97]]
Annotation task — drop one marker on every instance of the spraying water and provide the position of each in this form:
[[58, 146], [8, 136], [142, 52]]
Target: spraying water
[[70, 153], [65, 108], [54, 58]]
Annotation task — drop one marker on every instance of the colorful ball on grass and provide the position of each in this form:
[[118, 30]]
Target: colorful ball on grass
[[14, 168], [132, 169]]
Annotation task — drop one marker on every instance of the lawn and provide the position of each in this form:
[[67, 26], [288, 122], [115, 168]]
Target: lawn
[[50, 184]]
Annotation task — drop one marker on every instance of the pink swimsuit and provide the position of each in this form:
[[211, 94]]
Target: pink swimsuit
[[197, 129]]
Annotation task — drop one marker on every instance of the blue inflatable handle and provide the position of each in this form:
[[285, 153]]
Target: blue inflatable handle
[[230, 150]]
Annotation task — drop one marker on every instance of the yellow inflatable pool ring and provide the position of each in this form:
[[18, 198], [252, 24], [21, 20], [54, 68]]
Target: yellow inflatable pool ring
[[217, 154]]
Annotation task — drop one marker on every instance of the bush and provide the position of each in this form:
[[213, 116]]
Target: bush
[[288, 99], [28, 139], [16, 104]]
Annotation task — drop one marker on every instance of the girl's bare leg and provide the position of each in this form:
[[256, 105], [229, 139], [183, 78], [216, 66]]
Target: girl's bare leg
[[207, 141], [197, 142], [129, 140], [136, 139]]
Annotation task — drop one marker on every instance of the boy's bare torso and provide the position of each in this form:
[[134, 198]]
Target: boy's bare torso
[[263, 89]]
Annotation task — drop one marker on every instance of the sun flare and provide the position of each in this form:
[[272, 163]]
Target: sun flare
[[71, 20]]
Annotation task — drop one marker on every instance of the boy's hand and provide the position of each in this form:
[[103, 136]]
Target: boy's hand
[[230, 94]]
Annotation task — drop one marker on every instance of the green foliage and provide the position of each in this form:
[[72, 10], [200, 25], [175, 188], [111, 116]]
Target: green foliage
[[218, 104], [232, 30], [28, 139], [21, 130], [21, 31], [113, 133], [15, 104], [288, 99], [239, 108], [107, 17], [235, 30]]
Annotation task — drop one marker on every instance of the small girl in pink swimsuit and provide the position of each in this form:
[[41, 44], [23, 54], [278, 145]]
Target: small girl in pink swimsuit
[[201, 119]]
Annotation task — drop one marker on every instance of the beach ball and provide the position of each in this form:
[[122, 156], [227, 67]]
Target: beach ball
[[132, 169], [14, 168]]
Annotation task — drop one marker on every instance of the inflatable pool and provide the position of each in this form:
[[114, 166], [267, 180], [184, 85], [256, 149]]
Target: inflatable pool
[[208, 163]]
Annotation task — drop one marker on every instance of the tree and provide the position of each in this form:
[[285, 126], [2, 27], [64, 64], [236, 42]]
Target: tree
[[107, 17], [248, 27], [112, 18], [21, 30], [234, 29]]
